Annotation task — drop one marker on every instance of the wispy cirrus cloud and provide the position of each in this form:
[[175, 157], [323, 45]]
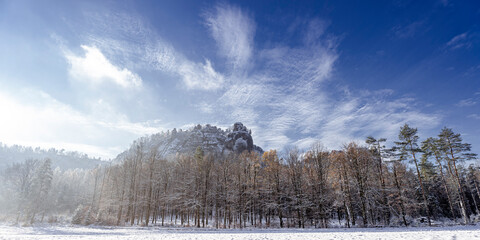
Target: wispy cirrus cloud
[[194, 75], [467, 102], [409, 30], [95, 69], [200, 75], [233, 30], [459, 41], [474, 116], [316, 28]]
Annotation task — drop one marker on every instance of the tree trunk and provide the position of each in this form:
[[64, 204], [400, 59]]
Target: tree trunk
[[424, 195], [397, 184]]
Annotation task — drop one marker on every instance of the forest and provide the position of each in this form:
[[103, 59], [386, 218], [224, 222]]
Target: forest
[[363, 184]]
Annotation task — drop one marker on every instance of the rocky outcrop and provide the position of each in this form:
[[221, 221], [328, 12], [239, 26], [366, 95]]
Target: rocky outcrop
[[240, 139], [211, 138]]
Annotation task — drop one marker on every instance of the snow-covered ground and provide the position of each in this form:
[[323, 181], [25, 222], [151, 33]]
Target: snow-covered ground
[[74, 232]]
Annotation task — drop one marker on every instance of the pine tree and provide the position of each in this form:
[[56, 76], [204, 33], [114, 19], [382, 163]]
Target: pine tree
[[408, 146], [456, 151], [473, 185], [431, 147]]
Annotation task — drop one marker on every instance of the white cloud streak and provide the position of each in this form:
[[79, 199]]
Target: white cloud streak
[[467, 102], [233, 31], [94, 68], [194, 75], [459, 41], [409, 30], [200, 75], [474, 116]]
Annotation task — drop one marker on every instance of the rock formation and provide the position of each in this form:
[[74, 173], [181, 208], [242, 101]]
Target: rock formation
[[211, 138]]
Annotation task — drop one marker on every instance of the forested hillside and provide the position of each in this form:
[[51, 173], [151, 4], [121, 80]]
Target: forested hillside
[[209, 177], [60, 158]]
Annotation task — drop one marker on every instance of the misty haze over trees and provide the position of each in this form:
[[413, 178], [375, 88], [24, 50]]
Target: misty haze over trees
[[210, 177], [60, 158]]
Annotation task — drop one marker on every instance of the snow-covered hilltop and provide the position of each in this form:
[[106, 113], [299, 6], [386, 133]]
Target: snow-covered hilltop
[[210, 138]]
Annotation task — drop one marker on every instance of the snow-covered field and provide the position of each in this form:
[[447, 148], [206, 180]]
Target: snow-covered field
[[73, 232]]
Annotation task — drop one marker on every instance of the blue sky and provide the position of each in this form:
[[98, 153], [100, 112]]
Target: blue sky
[[93, 76]]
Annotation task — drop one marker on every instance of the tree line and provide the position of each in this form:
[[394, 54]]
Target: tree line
[[359, 185]]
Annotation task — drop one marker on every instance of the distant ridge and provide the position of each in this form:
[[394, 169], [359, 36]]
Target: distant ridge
[[60, 158]]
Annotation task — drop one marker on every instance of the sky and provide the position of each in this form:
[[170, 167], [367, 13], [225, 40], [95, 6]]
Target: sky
[[93, 76]]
